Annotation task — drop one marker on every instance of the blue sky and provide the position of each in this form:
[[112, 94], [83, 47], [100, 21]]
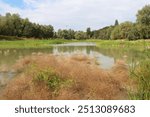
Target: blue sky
[[74, 14], [15, 3]]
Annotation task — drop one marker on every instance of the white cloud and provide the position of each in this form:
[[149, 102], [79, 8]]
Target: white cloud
[[29, 1], [7, 8], [78, 14]]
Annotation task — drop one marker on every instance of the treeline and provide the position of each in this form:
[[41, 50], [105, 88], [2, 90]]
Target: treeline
[[133, 31], [126, 30], [13, 25]]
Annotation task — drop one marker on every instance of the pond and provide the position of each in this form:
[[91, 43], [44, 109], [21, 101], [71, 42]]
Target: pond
[[105, 56]]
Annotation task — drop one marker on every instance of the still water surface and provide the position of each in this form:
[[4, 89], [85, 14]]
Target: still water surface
[[105, 56]]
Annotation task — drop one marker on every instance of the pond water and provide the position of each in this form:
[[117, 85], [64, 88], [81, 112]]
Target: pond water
[[105, 56]]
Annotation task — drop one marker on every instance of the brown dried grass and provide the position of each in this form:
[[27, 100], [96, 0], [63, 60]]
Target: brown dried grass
[[89, 81]]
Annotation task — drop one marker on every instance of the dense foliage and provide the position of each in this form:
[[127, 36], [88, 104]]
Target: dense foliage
[[128, 30], [13, 25]]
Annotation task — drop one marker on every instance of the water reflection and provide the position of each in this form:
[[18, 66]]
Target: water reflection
[[89, 50], [9, 56], [5, 77], [105, 56]]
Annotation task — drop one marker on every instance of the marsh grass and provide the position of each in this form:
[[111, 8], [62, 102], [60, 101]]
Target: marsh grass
[[139, 69], [140, 45], [59, 77], [51, 77], [142, 75], [140, 72]]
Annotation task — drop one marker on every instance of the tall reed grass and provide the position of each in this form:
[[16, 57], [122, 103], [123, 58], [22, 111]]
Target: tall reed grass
[[141, 74]]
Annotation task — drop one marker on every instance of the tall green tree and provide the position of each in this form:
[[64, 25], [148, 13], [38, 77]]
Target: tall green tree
[[88, 32], [143, 20], [80, 35], [116, 23], [122, 31], [14, 25], [143, 16]]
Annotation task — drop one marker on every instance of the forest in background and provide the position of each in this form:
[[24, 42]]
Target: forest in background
[[13, 27]]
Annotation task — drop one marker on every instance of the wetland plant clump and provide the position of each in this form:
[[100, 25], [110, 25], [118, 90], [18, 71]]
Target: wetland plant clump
[[47, 77], [141, 74]]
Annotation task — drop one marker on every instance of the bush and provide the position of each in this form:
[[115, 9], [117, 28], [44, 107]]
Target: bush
[[2, 37]]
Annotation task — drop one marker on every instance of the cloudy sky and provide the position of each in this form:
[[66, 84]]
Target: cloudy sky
[[74, 14]]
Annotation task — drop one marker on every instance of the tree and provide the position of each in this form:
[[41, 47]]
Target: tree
[[71, 34], [88, 32], [143, 20], [14, 25], [116, 23], [95, 34], [66, 34], [103, 33], [143, 16], [116, 33], [135, 32], [27, 28], [80, 35], [122, 31]]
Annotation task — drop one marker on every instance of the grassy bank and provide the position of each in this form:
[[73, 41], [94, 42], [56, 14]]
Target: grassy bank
[[31, 43], [124, 44], [140, 72], [140, 44]]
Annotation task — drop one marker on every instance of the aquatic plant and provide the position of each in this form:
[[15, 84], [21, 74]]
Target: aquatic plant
[[60, 77]]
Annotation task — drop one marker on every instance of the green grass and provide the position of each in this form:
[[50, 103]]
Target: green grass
[[52, 80], [141, 73], [125, 44], [31, 43]]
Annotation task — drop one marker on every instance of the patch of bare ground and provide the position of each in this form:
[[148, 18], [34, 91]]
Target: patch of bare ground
[[47, 77]]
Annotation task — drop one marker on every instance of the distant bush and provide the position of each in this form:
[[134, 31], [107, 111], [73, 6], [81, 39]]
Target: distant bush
[[2, 37]]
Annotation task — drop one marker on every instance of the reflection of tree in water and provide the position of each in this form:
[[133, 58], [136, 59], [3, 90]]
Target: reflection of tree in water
[[9, 56], [73, 49]]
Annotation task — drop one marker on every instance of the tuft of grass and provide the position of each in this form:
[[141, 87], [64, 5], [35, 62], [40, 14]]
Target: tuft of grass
[[142, 75], [53, 80], [49, 77]]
